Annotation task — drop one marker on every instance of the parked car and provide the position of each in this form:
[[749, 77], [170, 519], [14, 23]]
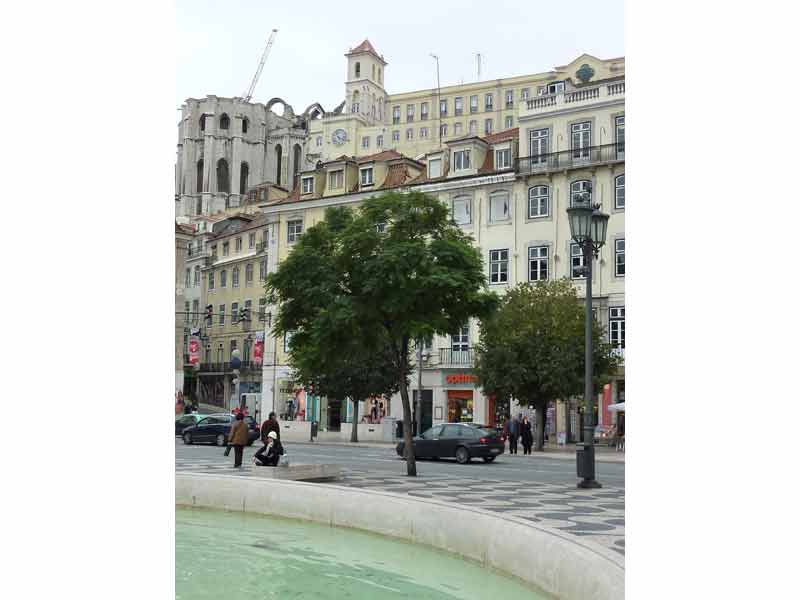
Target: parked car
[[492, 428], [214, 429], [605, 435], [463, 441], [184, 421]]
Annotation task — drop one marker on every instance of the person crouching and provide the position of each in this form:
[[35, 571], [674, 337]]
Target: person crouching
[[269, 455]]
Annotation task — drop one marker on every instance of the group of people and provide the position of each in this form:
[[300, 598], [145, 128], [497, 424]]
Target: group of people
[[517, 429], [182, 407], [269, 455]]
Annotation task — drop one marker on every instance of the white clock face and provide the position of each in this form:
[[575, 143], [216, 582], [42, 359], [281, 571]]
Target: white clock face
[[339, 137]]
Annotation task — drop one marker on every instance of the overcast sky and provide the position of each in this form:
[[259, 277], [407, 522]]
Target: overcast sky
[[220, 43]]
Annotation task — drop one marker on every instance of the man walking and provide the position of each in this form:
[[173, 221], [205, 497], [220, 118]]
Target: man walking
[[512, 428], [271, 424], [238, 439]]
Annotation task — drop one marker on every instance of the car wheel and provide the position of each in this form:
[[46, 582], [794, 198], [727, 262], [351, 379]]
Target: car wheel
[[462, 455], [220, 440], [187, 439], [488, 459]]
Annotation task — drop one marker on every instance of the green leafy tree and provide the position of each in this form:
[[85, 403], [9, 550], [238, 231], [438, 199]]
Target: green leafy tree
[[398, 269], [532, 348]]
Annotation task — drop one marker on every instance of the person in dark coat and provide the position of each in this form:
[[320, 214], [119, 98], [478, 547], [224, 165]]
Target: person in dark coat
[[511, 429], [271, 424], [238, 438], [526, 434], [269, 455]]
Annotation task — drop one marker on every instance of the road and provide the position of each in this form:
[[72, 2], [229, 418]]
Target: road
[[359, 459]]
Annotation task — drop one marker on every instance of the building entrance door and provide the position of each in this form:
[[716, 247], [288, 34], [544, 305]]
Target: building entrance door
[[334, 414]]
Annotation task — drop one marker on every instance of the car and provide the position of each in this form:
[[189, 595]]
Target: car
[[462, 441], [605, 435], [498, 430], [214, 429], [184, 421]]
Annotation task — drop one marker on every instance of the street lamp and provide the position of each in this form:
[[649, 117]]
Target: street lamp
[[588, 228]]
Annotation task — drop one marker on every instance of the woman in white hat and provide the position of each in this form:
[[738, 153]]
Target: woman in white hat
[[268, 455]]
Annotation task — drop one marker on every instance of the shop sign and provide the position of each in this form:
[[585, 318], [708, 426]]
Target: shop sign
[[456, 378]]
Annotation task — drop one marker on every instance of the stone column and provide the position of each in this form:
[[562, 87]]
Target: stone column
[[236, 159], [209, 167]]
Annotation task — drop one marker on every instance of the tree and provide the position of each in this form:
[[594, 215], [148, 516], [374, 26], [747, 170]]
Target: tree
[[398, 267], [532, 348]]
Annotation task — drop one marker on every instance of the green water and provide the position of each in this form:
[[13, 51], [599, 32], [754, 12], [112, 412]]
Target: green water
[[228, 556]]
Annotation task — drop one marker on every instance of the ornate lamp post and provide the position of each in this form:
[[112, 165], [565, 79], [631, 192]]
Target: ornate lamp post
[[588, 228]]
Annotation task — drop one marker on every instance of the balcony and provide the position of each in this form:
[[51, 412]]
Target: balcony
[[192, 252], [591, 156], [576, 98], [447, 357], [261, 247], [225, 367]]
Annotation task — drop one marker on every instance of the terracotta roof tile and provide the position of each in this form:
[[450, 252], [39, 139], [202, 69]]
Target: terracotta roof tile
[[383, 155], [364, 46], [502, 136], [397, 176]]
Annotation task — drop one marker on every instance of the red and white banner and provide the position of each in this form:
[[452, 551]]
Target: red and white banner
[[258, 348], [194, 350]]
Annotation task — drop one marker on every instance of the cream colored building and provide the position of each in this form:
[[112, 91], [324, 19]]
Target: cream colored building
[[510, 191]]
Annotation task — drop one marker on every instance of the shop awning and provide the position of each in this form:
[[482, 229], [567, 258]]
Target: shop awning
[[616, 407]]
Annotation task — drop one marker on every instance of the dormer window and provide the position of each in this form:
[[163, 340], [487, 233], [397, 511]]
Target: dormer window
[[308, 185], [336, 180], [502, 159], [434, 168], [461, 160], [557, 87], [366, 176]]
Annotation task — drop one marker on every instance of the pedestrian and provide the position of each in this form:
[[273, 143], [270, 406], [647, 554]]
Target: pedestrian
[[238, 438], [527, 435], [512, 430], [271, 424], [179, 407], [269, 455]]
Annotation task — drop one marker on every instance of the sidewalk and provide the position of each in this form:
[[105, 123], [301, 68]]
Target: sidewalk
[[602, 453]]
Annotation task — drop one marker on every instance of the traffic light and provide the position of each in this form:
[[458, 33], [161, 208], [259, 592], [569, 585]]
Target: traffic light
[[244, 315], [209, 313]]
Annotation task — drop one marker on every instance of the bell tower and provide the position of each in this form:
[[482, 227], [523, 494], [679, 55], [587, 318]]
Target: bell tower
[[364, 85]]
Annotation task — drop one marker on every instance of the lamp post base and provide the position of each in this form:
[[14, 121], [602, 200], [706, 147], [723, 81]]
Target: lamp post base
[[589, 484]]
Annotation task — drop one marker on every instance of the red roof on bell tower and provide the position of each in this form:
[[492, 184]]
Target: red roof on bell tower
[[366, 47]]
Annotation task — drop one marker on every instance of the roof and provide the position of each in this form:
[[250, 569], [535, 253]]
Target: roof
[[186, 229], [502, 136], [252, 222], [383, 155], [366, 47]]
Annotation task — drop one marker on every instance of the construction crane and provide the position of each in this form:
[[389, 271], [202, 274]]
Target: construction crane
[[249, 93]]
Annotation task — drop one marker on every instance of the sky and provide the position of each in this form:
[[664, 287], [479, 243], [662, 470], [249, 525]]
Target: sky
[[220, 43]]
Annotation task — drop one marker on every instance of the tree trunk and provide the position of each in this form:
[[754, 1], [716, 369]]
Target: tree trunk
[[541, 415], [411, 463], [354, 432]]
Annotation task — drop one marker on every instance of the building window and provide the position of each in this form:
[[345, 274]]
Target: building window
[[235, 277], [244, 175], [251, 240], [196, 276], [487, 128], [525, 94], [395, 115], [294, 228], [214, 251], [319, 140], [223, 278], [423, 132], [248, 274], [473, 104], [457, 129], [538, 145], [195, 310], [188, 278], [221, 313], [366, 176], [502, 158], [396, 135], [538, 201], [211, 280], [556, 88], [499, 209], [365, 142], [581, 139], [443, 108], [580, 192], [248, 306], [461, 160], [498, 266], [462, 210], [459, 106], [459, 341], [379, 141], [616, 326], [308, 185], [245, 123], [619, 257], [410, 110], [619, 191], [489, 103], [336, 179], [234, 315], [238, 245], [223, 177], [224, 121], [409, 134], [226, 247], [186, 312], [538, 263], [443, 130], [380, 227], [202, 123], [619, 135], [576, 261], [509, 98], [262, 270], [358, 69], [423, 111], [435, 168], [262, 309], [509, 122]]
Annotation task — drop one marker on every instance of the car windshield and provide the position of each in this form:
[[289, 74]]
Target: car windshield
[[483, 432]]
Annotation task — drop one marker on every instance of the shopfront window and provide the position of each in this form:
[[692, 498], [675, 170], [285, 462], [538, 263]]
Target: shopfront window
[[459, 406]]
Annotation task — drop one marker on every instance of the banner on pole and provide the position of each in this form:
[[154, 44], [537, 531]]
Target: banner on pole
[[258, 348], [194, 348]]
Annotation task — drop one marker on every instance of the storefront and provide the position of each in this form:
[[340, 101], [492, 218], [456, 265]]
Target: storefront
[[460, 394]]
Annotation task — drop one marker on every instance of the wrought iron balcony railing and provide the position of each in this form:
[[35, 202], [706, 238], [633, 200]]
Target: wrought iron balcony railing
[[448, 356], [571, 159]]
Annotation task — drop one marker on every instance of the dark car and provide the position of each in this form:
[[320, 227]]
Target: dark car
[[184, 421], [490, 428], [460, 440], [214, 429]]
